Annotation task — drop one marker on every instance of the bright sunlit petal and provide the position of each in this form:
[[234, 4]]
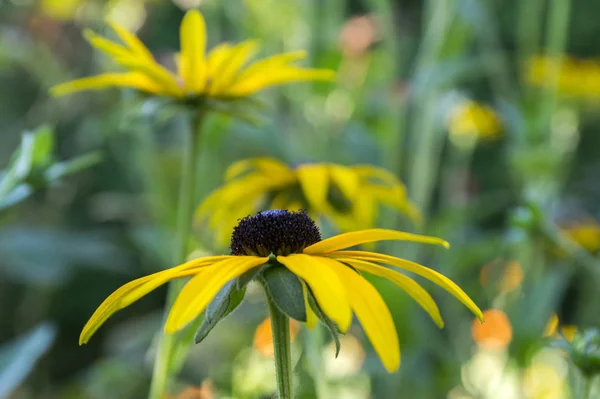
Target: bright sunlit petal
[[325, 284], [201, 289], [413, 267], [351, 239], [373, 314], [407, 284]]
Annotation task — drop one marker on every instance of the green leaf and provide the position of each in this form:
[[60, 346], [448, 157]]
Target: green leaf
[[225, 302], [286, 291], [19, 357], [250, 275], [331, 326], [77, 164]]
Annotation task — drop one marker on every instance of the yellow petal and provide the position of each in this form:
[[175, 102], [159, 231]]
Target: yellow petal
[[351, 239], [314, 181], [378, 176], [277, 60], [193, 46], [325, 284], [134, 44], [155, 72], [226, 73], [133, 80], [267, 166], [407, 284], [345, 179], [111, 48], [136, 289], [311, 317], [413, 267], [373, 314], [216, 57], [247, 85], [200, 290]]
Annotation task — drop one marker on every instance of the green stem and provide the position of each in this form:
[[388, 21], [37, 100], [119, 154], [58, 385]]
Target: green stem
[[186, 205], [588, 384], [280, 325]]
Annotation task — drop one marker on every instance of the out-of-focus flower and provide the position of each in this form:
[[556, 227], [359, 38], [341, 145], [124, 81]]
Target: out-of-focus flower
[[306, 277], [348, 196], [472, 120], [348, 362], [263, 336], [60, 9], [495, 333], [554, 330], [222, 74], [204, 391], [576, 78], [508, 275], [358, 35], [585, 233]]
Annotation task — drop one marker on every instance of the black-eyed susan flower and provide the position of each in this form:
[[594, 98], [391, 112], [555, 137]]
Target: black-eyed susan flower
[[472, 120], [223, 73], [348, 196], [306, 277]]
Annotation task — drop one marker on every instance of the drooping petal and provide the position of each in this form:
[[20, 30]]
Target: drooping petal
[[373, 314], [268, 166], [325, 284], [276, 75], [345, 179], [407, 284], [138, 288], [134, 44], [222, 78], [413, 267], [351, 239], [200, 290], [193, 46], [134, 80], [314, 181]]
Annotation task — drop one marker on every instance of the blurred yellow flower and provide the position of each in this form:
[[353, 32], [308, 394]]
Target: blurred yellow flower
[[60, 9], [552, 329], [347, 195], [576, 78], [585, 233], [326, 270], [470, 119], [224, 73]]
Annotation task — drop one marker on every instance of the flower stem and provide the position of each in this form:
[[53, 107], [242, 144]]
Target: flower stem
[[280, 326], [185, 207]]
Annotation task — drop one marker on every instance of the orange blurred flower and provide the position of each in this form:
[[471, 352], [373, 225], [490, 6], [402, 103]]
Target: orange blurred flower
[[510, 275], [204, 391], [358, 35], [263, 336], [495, 333]]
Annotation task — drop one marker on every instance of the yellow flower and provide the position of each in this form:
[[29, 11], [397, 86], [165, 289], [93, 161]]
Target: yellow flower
[[470, 119], [224, 73], [552, 329], [576, 78], [347, 195], [290, 242]]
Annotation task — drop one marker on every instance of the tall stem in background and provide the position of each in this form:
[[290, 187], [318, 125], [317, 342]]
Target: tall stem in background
[[425, 160], [186, 205]]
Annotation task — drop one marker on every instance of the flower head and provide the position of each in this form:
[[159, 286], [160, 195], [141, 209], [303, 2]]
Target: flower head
[[321, 280], [223, 73], [348, 196], [576, 78], [470, 119]]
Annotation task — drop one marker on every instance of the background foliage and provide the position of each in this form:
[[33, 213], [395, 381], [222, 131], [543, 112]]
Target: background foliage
[[88, 191]]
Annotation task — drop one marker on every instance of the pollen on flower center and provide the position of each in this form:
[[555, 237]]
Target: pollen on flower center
[[278, 232]]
